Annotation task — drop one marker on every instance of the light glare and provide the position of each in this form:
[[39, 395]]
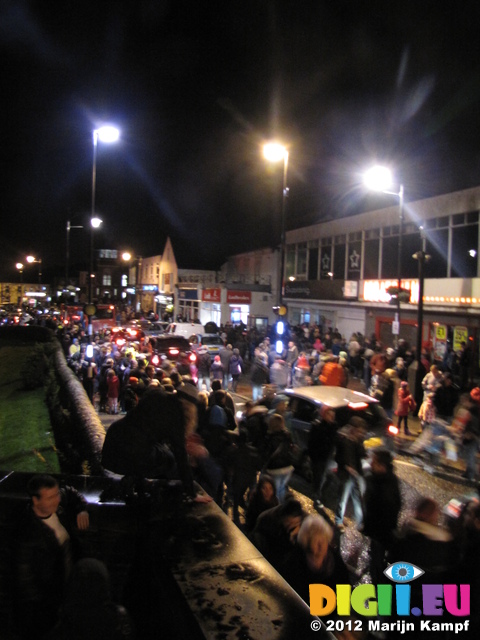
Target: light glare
[[378, 178], [108, 134], [274, 152]]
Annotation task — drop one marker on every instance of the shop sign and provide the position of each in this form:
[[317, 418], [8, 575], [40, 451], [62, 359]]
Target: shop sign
[[460, 334], [239, 297], [188, 294], [440, 341], [377, 290], [211, 295], [150, 287]]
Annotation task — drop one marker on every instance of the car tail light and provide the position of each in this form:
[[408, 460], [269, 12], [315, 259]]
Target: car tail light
[[192, 357], [116, 329], [392, 430], [155, 360], [132, 332], [357, 406], [174, 352], [120, 342]]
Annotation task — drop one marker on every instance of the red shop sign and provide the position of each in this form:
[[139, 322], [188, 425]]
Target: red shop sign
[[211, 295], [239, 297]]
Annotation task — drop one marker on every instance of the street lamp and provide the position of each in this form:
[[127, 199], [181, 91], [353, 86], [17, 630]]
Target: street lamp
[[275, 152], [107, 134], [19, 266], [67, 256], [31, 260], [422, 257], [379, 178], [129, 258]]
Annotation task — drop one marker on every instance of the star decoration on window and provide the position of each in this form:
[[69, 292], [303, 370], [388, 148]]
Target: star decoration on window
[[326, 262], [354, 260]]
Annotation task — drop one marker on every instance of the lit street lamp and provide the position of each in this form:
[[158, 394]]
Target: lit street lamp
[[19, 266], [106, 134], [31, 260], [379, 178], [275, 152]]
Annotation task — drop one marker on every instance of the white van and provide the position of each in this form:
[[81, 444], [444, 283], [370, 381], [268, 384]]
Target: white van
[[185, 329]]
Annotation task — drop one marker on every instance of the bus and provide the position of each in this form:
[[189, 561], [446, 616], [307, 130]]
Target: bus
[[104, 317]]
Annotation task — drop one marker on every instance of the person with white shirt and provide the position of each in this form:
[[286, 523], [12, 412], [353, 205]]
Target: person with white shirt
[[45, 552]]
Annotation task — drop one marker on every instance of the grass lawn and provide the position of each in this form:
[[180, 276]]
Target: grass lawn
[[26, 437]]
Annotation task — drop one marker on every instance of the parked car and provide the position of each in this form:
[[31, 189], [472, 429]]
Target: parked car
[[304, 404], [211, 341]]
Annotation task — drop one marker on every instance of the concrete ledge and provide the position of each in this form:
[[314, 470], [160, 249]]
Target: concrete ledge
[[181, 567]]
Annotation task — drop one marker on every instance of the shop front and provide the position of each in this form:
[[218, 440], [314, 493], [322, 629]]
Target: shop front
[[239, 303], [211, 310]]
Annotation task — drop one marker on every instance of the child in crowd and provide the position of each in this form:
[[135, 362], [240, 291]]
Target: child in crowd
[[113, 385], [405, 404]]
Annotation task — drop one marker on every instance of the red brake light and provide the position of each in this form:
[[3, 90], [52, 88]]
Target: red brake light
[[393, 430], [357, 405], [116, 329], [120, 342], [192, 357], [155, 360], [173, 351]]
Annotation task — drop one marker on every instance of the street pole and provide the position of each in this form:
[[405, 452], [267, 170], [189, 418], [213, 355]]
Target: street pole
[[399, 261], [282, 229], [94, 182], [67, 253]]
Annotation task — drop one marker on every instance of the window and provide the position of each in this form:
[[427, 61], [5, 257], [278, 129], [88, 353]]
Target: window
[[106, 280], [302, 259]]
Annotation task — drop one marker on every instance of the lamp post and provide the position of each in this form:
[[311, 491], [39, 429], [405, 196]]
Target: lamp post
[[275, 152], [379, 178], [422, 257], [107, 134], [31, 260], [67, 253]]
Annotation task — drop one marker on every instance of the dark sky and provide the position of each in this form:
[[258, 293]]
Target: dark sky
[[195, 87]]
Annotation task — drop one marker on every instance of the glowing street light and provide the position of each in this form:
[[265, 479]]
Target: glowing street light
[[276, 152], [19, 266], [379, 178], [33, 259], [107, 134]]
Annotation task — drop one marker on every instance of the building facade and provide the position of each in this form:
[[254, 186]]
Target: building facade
[[338, 273]]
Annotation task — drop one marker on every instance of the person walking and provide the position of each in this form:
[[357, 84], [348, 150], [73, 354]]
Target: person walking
[[236, 368], [349, 455]]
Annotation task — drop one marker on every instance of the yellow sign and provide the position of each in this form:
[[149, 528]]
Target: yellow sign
[[90, 309], [460, 334], [441, 332]]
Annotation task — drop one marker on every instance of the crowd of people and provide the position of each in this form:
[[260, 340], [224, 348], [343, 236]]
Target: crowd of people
[[172, 427]]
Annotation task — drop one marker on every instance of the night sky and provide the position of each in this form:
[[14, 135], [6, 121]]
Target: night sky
[[195, 87]]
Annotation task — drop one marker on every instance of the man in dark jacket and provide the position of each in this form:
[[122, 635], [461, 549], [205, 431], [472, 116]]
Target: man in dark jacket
[[45, 552], [321, 444], [349, 455], [382, 504]]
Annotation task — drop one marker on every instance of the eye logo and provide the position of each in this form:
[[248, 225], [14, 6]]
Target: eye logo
[[403, 572]]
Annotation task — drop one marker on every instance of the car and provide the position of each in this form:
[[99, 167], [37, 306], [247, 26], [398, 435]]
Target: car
[[185, 329], [211, 341], [175, 349], [126, 334], [304, 404], [154, 329]]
